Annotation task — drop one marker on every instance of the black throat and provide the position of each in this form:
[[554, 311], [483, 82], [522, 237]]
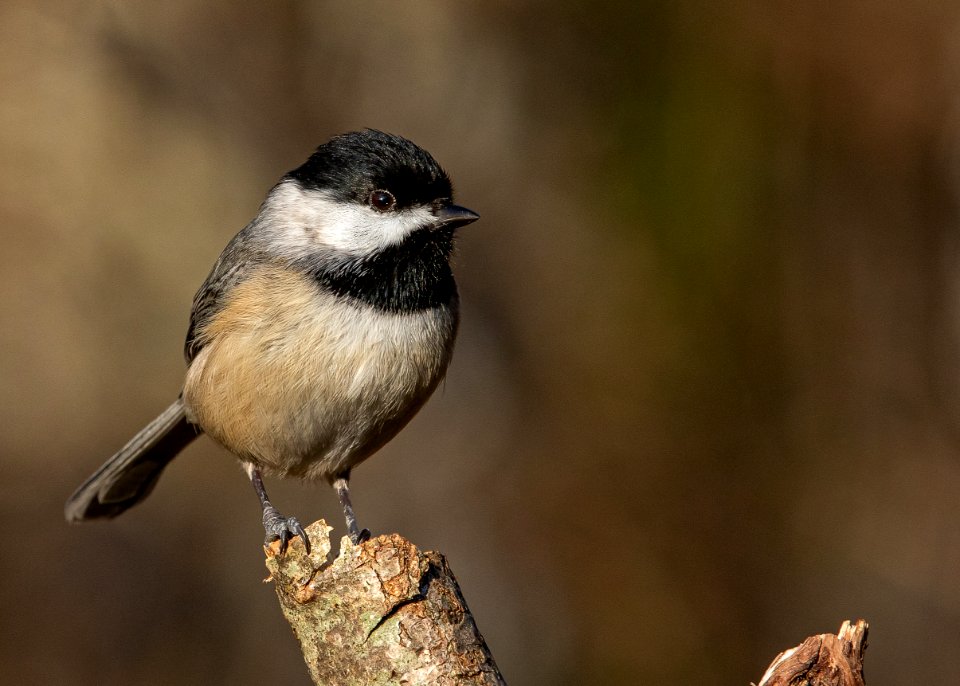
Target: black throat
[[412, 276]]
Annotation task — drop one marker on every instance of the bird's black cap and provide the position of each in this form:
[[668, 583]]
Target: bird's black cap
[[350, 166]]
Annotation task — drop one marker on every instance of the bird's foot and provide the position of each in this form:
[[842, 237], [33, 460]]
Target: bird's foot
[[280, 528], [358, 537]]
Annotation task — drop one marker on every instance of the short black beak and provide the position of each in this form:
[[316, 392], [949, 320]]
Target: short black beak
[[452, 216]]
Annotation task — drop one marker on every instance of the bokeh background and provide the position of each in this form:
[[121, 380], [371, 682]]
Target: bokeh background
[[705, 400]]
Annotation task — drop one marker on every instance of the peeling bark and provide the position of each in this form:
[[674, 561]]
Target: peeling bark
[[824, 660], [382, 612]]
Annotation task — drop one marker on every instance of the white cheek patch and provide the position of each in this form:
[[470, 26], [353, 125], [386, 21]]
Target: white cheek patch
[[360, 229], [303, 220]]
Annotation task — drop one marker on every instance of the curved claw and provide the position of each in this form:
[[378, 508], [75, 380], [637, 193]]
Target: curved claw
[[361, 537], [280, 528], [293, 524]]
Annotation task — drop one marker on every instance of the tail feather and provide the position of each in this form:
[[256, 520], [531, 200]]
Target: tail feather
[[129, 476]]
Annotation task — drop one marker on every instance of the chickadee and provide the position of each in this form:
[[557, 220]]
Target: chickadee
[[324, 326]]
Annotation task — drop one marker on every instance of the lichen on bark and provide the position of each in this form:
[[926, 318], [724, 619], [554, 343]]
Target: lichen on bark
[[382, 612]]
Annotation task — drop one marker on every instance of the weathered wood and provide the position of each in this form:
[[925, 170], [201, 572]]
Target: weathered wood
[[382, 612], [823, 660]]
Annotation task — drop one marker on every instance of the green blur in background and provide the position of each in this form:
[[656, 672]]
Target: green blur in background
[[705, 399]]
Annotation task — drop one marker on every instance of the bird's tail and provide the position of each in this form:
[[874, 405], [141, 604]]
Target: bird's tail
[[129, 476]]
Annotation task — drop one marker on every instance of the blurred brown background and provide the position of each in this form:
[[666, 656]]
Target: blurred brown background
[[705, 400]]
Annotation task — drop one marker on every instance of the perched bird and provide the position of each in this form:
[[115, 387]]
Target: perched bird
[[322, 329]]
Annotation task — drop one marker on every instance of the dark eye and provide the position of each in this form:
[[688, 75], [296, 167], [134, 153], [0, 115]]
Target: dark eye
[[382, 200]]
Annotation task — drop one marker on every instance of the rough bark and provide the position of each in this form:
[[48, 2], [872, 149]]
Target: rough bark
[[382, 612], [824, 660]]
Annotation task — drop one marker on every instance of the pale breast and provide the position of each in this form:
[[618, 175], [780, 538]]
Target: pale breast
[[301, 382]]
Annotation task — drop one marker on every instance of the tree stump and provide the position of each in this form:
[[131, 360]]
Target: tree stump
[[382, 612]]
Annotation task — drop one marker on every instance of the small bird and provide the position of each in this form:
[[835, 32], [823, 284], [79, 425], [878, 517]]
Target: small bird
[[322, 329]]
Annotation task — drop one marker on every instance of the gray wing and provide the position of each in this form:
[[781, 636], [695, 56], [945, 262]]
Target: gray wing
[[231, 268]]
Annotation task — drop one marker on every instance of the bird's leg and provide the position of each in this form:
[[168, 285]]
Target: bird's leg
[[357, 535], [275, 525]]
